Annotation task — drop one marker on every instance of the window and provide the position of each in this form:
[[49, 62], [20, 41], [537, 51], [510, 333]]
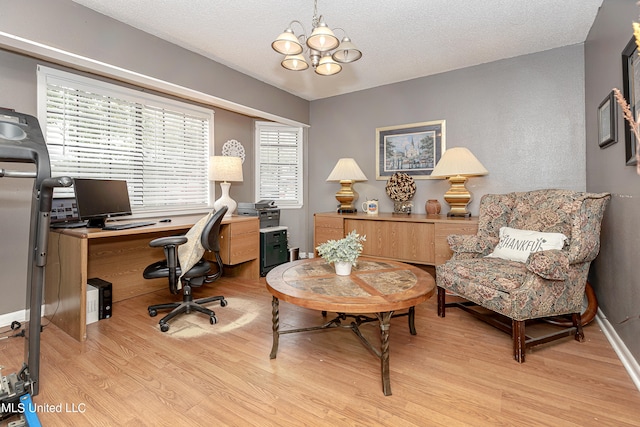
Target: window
[[95, 129], [279, 164]]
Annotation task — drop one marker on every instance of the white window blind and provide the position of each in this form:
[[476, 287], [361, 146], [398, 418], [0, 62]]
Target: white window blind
[[279, 163], [95, 129]]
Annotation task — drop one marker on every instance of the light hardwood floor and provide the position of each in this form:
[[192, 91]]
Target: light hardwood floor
[[457, 371]]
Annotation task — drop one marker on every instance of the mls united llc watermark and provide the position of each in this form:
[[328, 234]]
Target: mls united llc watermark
[[22, 407]]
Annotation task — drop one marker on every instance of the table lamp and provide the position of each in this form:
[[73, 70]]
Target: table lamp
[[457, 164], [346, 172], [225, 169]]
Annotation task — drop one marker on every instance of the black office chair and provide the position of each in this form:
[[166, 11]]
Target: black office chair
[[197, 275]]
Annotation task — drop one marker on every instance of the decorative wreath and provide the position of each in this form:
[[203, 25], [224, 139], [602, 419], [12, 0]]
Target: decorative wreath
[[233, 148], [400, 187]]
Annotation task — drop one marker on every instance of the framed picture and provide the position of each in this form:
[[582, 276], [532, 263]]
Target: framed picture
[[413, 149], [607, 122], [631, 91]]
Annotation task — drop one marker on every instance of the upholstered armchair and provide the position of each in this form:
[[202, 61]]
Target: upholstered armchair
[[529, 260]]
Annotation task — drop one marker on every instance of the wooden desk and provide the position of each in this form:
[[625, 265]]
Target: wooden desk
[[413, 238], [120, 257], [374, 286]]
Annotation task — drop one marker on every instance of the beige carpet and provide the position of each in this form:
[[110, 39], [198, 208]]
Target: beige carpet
[[238, 312]]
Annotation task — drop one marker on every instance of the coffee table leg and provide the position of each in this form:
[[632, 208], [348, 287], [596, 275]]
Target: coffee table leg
[[275, 317], [385, 323], [412, 320]]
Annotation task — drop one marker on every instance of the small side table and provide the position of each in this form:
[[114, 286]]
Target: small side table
[[375, 286]]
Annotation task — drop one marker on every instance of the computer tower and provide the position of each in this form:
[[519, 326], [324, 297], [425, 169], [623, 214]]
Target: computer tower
[[93, 301], [104, 297]]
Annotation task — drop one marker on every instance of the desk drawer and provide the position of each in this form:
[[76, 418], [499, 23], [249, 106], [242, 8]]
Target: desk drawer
[[240, 242], [327, 228], [328, 222], [402, 241], [244, 227]]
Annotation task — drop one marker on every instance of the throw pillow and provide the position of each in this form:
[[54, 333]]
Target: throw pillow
[[516, 245], [190, 253]]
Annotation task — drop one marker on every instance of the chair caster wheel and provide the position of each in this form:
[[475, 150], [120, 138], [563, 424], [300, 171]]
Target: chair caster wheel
[[223, 303], [153, 313], [213, 320], [164, 327]]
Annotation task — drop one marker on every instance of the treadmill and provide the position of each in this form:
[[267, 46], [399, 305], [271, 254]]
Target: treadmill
[[22, 141]]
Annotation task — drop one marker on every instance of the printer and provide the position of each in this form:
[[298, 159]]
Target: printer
[[265, 210]]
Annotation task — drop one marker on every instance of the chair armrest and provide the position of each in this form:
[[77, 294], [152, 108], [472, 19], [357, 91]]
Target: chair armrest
[[168, 241], [470, 244], [552, 264]]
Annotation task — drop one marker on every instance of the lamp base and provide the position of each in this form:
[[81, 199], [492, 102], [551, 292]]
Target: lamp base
[[458, 197], [346, 196], [225, 200]]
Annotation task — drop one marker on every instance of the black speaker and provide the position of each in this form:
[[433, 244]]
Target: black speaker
[[104, 298]]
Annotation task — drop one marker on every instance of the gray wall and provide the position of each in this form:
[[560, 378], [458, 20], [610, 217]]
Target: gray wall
[[523, 118], [68, 26], [614, 279]]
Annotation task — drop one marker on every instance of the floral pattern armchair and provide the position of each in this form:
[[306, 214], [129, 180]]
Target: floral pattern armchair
[[550, 282]]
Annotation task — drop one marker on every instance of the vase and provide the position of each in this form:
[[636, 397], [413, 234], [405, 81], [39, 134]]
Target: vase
[[432, 207], [343, 268]]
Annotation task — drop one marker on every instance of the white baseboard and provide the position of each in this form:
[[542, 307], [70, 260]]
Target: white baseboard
[[625, 356], [19, 316]]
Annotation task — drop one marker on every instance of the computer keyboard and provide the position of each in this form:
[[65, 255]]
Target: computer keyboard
[[69, 224], [127, 225]]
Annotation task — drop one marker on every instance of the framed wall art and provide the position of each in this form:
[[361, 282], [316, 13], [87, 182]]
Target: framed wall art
[[413, 149], [631, 91], [607, 121]]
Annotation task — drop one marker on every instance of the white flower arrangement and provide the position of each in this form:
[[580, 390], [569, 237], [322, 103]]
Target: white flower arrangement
[[347, 249]]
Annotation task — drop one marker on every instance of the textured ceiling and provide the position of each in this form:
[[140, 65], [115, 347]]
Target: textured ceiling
[[400, 40]]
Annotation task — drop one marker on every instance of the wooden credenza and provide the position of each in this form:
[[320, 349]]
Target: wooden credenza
[[413, 238], [120, 257]]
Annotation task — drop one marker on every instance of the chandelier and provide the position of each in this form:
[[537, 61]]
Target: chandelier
[[320, 47]]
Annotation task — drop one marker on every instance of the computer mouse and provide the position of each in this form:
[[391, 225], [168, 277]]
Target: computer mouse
[[166, 220]]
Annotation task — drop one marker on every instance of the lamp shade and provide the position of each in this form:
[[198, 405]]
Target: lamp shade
[[346, 170], [322, 38], [225, 168], [287, 43], [346, 52], [458, 161], [295, 62], [327, 66]]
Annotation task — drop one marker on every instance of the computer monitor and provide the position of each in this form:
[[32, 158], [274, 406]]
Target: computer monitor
[[99, 199]]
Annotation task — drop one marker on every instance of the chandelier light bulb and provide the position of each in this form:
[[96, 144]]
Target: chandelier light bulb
[[327, 66], [295, 63], [346, 52], [287, 43], [322, 38]]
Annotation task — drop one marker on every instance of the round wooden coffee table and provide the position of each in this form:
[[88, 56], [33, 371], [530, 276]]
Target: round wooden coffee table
[[375, 286]]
